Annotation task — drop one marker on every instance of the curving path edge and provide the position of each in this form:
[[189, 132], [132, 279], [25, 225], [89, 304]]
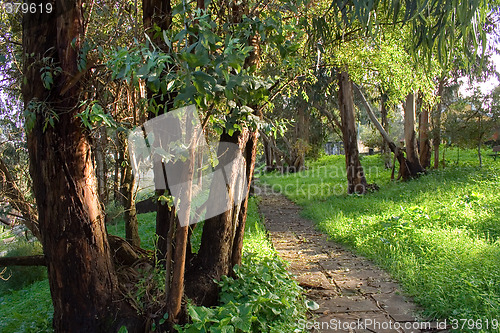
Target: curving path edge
[[353, 294]]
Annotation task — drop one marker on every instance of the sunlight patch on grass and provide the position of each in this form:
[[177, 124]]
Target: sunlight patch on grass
[[439, 234]]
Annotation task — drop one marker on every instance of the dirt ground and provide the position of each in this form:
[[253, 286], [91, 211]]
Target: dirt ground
[[353, 294]]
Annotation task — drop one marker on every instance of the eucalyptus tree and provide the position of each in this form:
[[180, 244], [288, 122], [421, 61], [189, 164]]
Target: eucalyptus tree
[[433, 26], [81, 274]]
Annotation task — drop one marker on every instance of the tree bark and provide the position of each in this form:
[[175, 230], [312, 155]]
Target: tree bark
[[356, 181], [250, 157], [214, 258], [81, 274], [101, 167], [423, 134], [385, 124], [127, 194], [412, 159], [436, 128], [404, 171]]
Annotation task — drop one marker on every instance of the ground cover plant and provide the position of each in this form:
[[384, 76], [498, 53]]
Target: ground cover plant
[[264, 299], [438, 234]]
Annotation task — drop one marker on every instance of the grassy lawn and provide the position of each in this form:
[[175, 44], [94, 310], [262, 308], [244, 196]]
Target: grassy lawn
[[264, 299], [439, 234]]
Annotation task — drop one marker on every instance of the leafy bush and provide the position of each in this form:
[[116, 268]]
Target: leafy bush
[[264, 297], [19, 277]]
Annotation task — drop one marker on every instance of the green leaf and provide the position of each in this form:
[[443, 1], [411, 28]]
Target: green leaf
[[312, 305]]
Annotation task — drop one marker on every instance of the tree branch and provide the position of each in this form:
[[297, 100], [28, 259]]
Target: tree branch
[[38, 260]]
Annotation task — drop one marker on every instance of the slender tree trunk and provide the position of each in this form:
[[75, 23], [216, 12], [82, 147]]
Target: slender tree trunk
[[181, 236], [159, 13], [101, 167], [385, 124], [425, 144], [127, 189], [81, 275], [355, 175], [410, 136], [436, 128], [214, 258], [301, 137], [116, 176], [404, 170], [250, 157]]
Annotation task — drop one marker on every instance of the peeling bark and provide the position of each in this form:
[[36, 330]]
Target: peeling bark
[[356, 181]]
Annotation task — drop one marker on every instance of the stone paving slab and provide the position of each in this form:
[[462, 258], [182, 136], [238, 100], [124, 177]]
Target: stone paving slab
[[353, 294]]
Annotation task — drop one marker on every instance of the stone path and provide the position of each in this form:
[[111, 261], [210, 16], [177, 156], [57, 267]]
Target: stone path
[[352, 293]]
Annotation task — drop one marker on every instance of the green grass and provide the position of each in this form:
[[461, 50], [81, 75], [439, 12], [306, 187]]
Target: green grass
[[439, 234], [147, 228], [27, 310]]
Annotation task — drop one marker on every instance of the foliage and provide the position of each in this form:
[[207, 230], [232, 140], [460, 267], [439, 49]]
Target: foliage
[[264, 297], [472, 120], [439, 235], [18, 276], [114, 212]]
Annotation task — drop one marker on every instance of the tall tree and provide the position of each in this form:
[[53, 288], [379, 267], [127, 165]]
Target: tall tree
[[356, 181], [424, 138], [412, 158], [81, 275]]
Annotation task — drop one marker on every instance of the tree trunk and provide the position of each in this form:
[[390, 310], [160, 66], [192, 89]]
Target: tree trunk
[[101, 167], [159, 13], [385, 124], [356, 181], [127, 194], [177, 286], [410, 136], [301, 137], [116, 175], [214, 258], [425, 144], [436, 126], [404, 171], [37, 260], [81, 275], [250, 157]]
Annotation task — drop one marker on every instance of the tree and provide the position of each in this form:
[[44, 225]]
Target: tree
[[81, 274], [412, 159], [355, 174]]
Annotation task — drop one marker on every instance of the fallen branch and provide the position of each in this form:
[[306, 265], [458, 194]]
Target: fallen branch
[[38, 260]]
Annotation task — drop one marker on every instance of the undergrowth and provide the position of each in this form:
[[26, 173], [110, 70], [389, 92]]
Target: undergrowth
[[263, 299], [18, 277], [438, 234]]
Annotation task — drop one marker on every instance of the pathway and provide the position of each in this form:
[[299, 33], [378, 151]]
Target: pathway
[[353, 294]]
